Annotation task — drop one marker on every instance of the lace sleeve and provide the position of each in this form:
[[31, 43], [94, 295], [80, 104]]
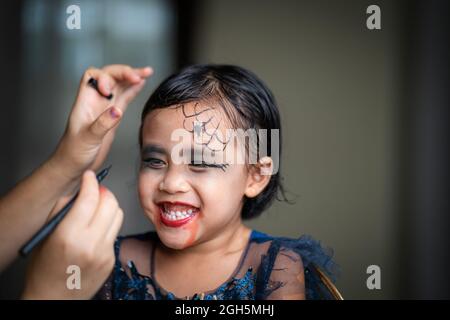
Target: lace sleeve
[[296, 269], [287, 280], [105, 292]]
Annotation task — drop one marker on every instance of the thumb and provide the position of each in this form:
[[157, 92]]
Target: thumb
[[105, 122], [132, 92]]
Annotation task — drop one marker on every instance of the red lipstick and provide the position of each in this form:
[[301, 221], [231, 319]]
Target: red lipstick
[[176, 214]]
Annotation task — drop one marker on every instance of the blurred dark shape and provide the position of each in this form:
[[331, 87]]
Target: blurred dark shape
[[424, 162]]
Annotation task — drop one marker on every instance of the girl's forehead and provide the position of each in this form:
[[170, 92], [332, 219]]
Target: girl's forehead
[[202, 119], [194, 126]]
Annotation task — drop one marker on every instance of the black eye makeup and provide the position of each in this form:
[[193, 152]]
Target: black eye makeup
[[197, 160], [151, 156], [154, 163], [209, 165]]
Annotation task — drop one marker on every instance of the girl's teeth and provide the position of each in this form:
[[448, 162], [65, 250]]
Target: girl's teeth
[[178, 215]]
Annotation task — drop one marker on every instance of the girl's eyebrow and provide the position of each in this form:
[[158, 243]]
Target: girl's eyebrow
[[153, 148]]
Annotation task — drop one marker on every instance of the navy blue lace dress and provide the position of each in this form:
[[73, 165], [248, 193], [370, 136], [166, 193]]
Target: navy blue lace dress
[[270, 268]]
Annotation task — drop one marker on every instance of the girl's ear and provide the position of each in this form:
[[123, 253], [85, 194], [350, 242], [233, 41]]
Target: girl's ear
[[258, 177]]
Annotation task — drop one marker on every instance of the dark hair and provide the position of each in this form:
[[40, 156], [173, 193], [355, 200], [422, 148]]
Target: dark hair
[[246, 100]]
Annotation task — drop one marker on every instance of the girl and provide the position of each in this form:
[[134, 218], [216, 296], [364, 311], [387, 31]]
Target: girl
[[197, 198]]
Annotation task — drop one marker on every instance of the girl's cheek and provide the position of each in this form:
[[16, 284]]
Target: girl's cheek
[[145, 184], [193, 231], [145, 194], [150, 210]]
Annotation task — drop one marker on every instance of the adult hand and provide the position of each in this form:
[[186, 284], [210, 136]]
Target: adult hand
[[93, 120], [84, 239]]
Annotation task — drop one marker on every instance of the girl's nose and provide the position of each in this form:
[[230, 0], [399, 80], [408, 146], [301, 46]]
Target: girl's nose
[[173, 182]]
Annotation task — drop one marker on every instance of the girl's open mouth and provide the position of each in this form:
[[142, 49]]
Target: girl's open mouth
[[176, 214]]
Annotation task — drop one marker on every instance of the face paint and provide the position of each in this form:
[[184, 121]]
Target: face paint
[[194, 184], [204, 125], [192, 228]]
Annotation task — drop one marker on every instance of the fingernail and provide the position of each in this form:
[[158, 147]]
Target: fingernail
[[113, 112]]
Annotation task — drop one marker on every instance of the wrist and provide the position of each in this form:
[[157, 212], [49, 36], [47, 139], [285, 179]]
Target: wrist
[[62, 172], [64, 162]]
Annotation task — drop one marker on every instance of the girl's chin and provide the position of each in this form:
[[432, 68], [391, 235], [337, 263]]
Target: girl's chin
[[172, 241], [174, 238], [174, 245], [176, 234]]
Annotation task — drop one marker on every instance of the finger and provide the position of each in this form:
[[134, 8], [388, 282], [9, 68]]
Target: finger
[[104, 213], [129, 94], [144, 72], [132, 76], [105, 83], [123, 73], [104, 149], [114, 228], [90, 72], [104, 123], [86, 202]]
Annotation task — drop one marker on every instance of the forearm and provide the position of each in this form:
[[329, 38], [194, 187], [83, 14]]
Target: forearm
[[26, 207]]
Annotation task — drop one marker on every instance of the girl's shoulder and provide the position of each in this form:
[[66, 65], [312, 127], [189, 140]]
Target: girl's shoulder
[[320, 269], [309, 249], [135, 248]]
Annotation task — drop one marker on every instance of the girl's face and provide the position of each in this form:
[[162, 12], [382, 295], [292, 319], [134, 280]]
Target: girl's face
[[189, 203]]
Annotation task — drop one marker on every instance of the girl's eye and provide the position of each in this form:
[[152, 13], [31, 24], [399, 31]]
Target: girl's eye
[[153, 163], [208, 165]]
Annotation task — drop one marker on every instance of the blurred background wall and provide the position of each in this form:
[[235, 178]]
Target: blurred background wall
[[364, 113]]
